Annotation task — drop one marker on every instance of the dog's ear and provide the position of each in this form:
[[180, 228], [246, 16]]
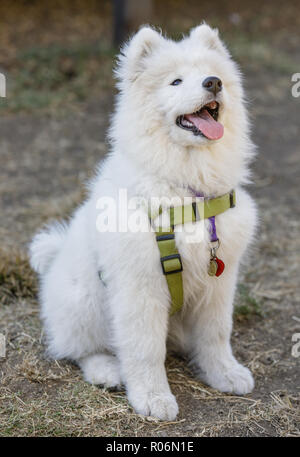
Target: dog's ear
[[135, 53], [209, 37]]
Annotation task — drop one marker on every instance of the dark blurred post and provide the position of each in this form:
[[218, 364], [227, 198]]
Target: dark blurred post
[[128, 16], [119, 21]]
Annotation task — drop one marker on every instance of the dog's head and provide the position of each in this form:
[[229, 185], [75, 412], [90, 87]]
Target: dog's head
[[189, 91]]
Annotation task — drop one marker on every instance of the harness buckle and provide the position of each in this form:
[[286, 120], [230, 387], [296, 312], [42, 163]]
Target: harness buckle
[[174, 270], [232, 199], [196, 211]]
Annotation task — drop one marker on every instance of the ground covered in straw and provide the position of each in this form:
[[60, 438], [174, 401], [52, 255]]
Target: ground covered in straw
[[52, 135]]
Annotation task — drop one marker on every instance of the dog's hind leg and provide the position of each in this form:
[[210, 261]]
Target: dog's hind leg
[[101, 369]]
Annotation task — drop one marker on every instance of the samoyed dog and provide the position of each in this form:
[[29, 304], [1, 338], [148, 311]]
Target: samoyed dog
[[180, 129]]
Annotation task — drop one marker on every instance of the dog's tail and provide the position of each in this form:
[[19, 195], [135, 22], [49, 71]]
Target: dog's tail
[[45, 245]]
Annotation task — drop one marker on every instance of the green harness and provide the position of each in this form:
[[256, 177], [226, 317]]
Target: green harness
[[169, 255]]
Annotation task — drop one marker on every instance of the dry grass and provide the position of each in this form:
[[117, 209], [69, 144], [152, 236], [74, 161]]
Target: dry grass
[[66, 406], [39, 397], [17, 280]]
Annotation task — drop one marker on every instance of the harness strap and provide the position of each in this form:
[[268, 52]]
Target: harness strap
[[172, 268], [200, 210], [169, 256]]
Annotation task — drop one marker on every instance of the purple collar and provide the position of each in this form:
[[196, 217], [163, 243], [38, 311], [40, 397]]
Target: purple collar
[[213, 230]]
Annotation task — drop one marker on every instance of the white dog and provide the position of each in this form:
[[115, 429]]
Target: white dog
[[180, 128]]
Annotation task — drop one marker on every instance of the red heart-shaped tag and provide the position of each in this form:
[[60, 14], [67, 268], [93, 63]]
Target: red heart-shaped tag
[[221, 266]]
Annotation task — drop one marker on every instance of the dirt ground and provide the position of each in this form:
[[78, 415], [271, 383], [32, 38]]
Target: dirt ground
[[47, 152]]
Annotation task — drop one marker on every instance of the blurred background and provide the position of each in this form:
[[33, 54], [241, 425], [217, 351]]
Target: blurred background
[[61, 51], [57, 57]]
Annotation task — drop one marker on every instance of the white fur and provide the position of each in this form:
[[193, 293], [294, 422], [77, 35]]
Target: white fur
[[117, 331]]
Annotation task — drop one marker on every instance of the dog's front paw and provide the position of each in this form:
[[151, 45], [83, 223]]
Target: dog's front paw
[[160, 405], [233, 379]]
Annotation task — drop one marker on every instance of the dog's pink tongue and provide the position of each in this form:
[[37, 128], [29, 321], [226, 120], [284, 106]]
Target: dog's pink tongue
[[212, 129]]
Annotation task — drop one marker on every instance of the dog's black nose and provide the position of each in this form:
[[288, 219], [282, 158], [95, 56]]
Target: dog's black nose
[[213, 84]]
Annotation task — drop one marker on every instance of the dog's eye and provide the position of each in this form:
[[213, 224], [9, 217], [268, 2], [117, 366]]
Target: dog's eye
[[176, 82]]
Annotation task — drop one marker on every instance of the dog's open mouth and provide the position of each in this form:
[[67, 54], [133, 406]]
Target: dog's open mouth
[[203, 122]]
